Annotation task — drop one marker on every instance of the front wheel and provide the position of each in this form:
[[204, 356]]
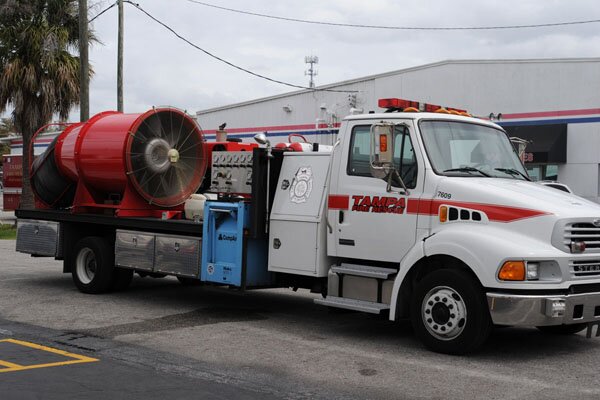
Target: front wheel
[[449, 312], [93, 269]]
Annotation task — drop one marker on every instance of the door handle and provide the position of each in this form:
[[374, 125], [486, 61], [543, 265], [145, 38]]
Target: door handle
[[341, 217]]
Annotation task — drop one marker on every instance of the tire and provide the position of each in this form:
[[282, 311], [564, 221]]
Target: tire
[[122, 278], [93, 268], [563, 329], [449, 312], [189, 281]]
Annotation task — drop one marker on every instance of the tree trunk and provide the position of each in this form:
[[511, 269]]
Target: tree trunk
[[26, 193]]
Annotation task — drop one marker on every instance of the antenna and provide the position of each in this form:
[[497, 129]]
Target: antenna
[[312, 72]]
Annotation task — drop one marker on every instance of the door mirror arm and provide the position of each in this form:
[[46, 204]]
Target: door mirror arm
[[393, 172]]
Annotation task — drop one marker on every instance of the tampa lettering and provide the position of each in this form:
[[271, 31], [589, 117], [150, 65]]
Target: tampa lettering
[[379, 204]]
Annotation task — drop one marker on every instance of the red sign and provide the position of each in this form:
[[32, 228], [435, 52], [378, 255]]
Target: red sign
[[527, 157], [12, 171], [11, 200]]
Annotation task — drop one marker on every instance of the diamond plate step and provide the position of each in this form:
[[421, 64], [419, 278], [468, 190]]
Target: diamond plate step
[[364, 270], [352, 304]]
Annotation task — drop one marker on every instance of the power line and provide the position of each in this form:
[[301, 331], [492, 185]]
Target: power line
[[405, 28], [225, 61], [102, 12]]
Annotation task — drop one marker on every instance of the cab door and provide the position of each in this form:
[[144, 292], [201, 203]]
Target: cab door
[[368, 221]]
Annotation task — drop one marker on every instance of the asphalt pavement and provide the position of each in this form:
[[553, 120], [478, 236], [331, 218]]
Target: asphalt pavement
[[161, 339], [107, 377]]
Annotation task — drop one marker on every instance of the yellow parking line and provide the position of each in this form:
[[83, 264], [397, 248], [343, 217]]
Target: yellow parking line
[[50, 350], [8, 365], [75, 358]]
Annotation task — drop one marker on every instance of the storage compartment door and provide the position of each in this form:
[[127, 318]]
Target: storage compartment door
[[40, 238], [293, 247], [177, 255], [134, 250]]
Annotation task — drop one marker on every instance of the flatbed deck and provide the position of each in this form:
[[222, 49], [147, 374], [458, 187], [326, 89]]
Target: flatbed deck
[[178, 227]]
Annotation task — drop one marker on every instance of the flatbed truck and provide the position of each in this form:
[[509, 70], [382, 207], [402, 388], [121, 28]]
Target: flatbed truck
[[426, 216]]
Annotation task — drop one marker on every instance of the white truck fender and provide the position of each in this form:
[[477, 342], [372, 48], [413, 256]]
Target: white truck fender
[[415, 254], [482, 248]]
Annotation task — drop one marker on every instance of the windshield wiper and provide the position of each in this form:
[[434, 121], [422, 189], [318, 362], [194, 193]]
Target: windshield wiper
[[513, 172], [467, 169]]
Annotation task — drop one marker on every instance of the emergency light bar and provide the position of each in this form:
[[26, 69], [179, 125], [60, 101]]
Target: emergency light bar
[[401, 105]]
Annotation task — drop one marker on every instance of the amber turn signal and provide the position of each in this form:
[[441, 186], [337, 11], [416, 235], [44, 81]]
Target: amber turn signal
[[443, 214], [512, 271], [383, 145]]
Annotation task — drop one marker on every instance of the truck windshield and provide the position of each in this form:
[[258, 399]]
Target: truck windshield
[[465, 149]]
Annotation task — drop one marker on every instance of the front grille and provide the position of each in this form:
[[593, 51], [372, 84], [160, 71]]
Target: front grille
[[583, 232], [584, 268]]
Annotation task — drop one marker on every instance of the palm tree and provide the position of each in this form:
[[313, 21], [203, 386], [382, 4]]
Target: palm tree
[[39, 75], [6, 128]]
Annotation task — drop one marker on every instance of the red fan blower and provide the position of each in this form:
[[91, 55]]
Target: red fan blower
[[132, 165]]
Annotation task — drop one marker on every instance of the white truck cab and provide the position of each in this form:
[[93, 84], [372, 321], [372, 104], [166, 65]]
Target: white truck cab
[[433, 216]]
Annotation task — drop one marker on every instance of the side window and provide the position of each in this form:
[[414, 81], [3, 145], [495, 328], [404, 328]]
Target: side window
[[360, 148], [404, 155]]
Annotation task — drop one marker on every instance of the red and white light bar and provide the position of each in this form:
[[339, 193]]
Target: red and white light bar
[[394, 104]]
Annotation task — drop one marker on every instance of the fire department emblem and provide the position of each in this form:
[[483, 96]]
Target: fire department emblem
[[301, 185]]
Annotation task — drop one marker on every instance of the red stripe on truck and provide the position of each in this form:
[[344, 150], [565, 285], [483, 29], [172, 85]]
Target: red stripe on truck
[[338, 202], [494, 212]]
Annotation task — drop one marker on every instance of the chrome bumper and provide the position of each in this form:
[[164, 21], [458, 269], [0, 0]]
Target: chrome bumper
[[533, 310]]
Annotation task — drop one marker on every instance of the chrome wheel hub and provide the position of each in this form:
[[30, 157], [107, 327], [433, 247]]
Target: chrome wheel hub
[[444, 313], [86, 265]]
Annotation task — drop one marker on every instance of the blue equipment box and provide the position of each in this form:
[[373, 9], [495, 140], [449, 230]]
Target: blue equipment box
[[228, 256]]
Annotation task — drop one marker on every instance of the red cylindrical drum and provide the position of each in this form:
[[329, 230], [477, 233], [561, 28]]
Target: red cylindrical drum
[[160, 153]]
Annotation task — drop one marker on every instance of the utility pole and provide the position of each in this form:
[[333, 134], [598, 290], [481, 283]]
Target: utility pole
[[120, 60], [311, 72], [84, 67]]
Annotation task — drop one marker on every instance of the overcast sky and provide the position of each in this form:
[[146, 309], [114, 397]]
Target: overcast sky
[[162, 70]]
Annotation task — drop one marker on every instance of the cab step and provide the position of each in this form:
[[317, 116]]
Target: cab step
[[364, 270], [353, 304]]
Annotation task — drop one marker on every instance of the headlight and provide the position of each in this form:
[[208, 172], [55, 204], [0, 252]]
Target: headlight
[[533, 271]]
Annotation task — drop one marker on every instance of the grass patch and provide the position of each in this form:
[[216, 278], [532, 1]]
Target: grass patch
[[8, 232]]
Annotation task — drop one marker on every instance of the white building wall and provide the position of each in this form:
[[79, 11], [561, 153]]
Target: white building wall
[[500, 86], [510, 86]]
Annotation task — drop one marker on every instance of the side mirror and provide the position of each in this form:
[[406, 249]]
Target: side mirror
[[382, 156], [382, 146]]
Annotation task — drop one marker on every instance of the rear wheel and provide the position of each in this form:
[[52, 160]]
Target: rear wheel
[[562, 329], [93, 269], [449, 312]]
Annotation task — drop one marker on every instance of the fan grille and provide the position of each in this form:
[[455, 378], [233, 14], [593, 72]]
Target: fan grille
[[165, 156]]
